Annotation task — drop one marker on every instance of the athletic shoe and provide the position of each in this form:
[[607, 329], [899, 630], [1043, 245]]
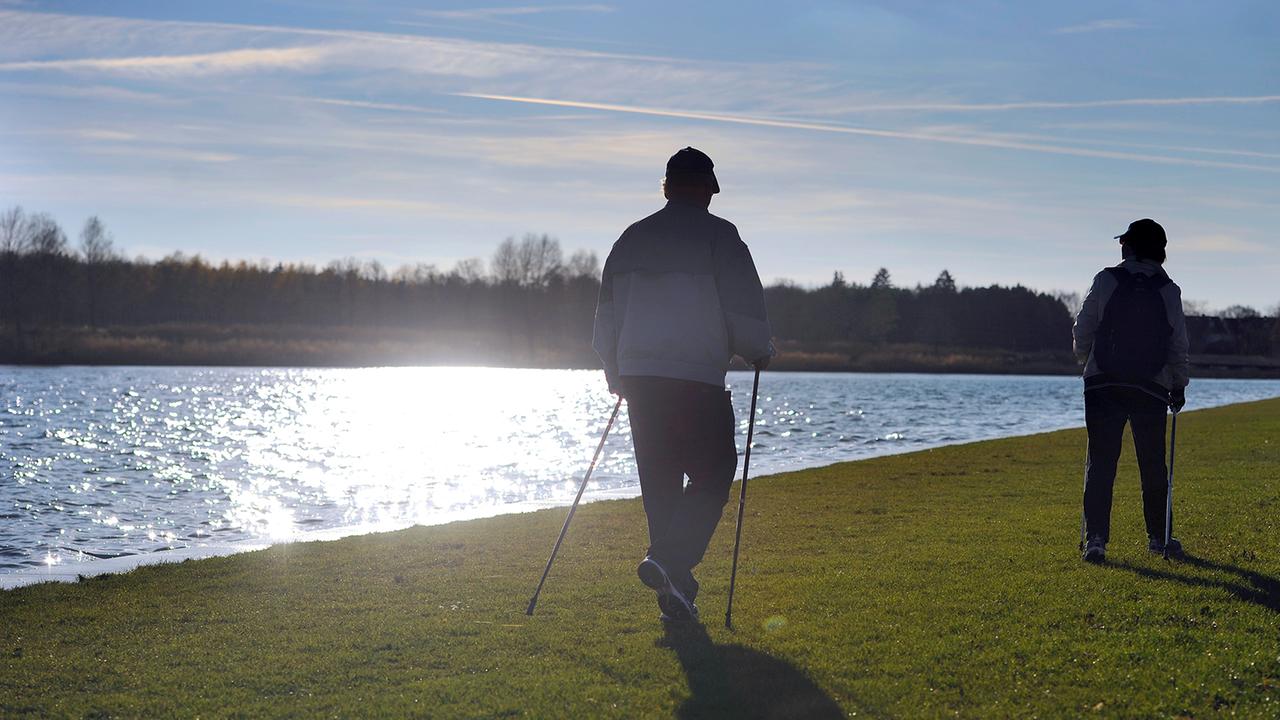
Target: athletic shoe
[[1156, 545], [1095, 551], [673, 602], [667, 617]]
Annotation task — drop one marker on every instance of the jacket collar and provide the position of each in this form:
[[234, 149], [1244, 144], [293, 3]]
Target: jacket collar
[[690, 206], [1143, 266]]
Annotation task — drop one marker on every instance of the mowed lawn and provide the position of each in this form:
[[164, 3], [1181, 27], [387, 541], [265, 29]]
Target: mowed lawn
[[935, 584]]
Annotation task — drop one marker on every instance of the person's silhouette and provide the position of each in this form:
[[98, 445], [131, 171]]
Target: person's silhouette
[[679, 298], [1131, 336]]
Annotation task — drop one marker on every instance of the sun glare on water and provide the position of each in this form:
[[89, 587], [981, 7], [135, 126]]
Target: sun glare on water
[[395, 446]]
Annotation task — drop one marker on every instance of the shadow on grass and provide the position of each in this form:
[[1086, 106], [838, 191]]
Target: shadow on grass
[[1252, 587], [731, 681]]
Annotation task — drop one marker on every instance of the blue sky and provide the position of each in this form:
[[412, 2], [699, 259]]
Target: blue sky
[[1005, 142]]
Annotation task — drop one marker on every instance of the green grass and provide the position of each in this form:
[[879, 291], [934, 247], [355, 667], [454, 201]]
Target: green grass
[[934, 584]]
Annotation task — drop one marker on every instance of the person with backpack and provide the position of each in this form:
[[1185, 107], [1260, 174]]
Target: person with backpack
[[679, 297], [1131, 335]]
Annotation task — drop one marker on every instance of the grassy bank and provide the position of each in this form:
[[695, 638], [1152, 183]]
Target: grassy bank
[[933, 584]]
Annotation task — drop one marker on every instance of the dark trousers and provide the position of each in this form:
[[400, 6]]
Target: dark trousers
[[681, 428], [1106, 410]]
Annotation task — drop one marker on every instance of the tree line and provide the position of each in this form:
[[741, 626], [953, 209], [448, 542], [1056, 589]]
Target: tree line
[[940, 315], [529, 293], [528, 300]]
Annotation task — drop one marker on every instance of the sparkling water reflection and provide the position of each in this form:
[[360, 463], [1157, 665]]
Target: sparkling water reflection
[[103, 462]]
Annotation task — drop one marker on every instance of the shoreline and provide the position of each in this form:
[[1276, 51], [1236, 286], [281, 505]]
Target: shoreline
[[71, 572], [934, 584], [1206, 368]]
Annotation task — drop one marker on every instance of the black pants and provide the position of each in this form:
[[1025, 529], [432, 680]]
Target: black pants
[[1106, 410], [681, 428]]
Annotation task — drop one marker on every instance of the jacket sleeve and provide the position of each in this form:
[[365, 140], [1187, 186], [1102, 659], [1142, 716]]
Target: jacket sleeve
[[742, 300], [1179, 360], [604, 335], [1087, 320]]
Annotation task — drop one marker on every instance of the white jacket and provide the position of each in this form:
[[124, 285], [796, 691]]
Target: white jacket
[[679, 298]]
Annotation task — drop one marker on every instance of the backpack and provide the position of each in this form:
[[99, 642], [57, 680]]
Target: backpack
[[1133, 338]]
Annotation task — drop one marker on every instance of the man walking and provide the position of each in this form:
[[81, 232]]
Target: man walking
[[679, 298], [1132, 337]]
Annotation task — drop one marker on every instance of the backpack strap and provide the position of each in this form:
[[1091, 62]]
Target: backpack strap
[[1158, 279], [1122, 276]]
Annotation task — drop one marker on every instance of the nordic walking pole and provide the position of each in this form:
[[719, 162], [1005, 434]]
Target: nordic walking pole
[[1168, 503], [533, 602], [742, 501], [1086, 489]]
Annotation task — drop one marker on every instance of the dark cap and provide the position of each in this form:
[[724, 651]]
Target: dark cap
[[1147, 239], [691, 162]]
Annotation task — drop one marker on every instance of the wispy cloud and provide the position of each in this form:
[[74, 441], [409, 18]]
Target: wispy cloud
[[979, 141], [165, 154], [1220, 243], [1106, 25], [93, 92], [363, 104], [1064, 104], [502, 12], [361, 203], [229, 61], [34, 41], [101, 134]]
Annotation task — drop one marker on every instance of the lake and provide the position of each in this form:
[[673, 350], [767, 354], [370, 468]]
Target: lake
[[121, 461]]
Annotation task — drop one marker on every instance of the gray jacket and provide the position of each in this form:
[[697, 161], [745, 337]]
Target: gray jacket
[[1175, 373], [679, 298]]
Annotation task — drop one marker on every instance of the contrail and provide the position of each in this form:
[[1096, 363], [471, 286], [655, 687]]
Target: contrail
[[1067, 104], [872, 132]]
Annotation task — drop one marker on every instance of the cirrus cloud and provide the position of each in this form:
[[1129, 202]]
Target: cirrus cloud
[[228, 61]]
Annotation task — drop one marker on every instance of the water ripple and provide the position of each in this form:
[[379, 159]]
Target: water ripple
[[107, 462]]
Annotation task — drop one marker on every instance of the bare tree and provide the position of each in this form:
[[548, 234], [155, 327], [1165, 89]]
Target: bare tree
[[469, 271], [98, 249], [96, 244], [505, 266], [541, 261], [1240, 311], [373, 271], [535, 262], [44, 236], [13, 230], [13, 223], [583, 264], [416, 274]]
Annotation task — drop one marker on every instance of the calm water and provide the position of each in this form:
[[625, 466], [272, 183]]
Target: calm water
[[105, 462]]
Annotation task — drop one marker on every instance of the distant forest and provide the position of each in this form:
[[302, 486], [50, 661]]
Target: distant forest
[[528, 305]]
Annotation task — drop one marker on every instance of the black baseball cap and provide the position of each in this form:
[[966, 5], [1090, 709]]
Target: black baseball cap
[[1146, 237], [691, 162]]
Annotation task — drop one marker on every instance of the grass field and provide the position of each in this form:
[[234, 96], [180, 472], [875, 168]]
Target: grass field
[[935, 584]]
